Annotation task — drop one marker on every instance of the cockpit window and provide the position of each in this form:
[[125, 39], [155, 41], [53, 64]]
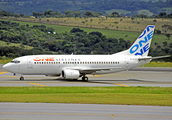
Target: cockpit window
[[12, 62], [15, 61]]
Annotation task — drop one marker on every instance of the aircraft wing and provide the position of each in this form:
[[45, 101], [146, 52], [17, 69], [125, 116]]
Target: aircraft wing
[[91, 70]]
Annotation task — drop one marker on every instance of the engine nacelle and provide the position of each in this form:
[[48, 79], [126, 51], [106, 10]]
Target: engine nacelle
[[70, 74]]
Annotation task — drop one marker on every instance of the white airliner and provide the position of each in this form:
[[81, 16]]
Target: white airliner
[[75, 66]]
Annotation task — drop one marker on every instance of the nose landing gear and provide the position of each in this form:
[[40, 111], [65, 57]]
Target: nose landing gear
[[21, 78]]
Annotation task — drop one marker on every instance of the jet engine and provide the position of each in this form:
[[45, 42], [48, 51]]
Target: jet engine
[[70, 74]]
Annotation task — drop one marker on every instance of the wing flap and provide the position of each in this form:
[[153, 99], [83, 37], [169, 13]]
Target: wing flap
[[91, 70], [99, 69]]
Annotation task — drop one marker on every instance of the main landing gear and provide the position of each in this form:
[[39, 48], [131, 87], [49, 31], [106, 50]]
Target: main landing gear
[[21, 78], [85, 78]]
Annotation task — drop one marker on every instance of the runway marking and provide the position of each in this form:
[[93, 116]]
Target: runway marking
[[3, 72], [37, 84], [97, 75], [93, 76], [90, 114], [121, 85]]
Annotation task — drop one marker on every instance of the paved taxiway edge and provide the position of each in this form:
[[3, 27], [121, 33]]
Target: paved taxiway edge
[[141, 76]]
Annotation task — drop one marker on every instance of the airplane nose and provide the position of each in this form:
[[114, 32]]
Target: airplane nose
[[5, 67]]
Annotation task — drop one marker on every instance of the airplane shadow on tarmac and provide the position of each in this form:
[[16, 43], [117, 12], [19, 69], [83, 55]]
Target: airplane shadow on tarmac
[[102, 81]]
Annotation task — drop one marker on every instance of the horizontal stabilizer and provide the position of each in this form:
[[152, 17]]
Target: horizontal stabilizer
[[161, 57], [146, 58], [149, 57]]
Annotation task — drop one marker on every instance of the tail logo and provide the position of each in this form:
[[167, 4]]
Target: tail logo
[[139, 48]]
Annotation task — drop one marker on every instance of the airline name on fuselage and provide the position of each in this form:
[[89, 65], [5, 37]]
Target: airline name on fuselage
[[54, 59], [143, 39]]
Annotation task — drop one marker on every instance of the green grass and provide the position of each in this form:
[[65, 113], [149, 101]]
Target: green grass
[[5, 61], [2, 43], [132, 36], [89, 95], [58, 28], [158, 64]]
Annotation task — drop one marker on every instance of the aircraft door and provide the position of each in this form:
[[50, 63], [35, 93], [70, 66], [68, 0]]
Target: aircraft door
[[29, 63], [127, 63]]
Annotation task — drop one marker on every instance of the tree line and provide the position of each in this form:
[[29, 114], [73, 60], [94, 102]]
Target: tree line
[[70, 13], [27, 6], [46, 41]]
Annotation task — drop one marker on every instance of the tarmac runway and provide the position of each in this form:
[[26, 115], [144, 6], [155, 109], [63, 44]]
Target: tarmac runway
[[136, 77], [56, 111], [161, 77]]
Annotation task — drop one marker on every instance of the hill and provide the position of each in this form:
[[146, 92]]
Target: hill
[[29, 6], [119, 24], [49, 39]]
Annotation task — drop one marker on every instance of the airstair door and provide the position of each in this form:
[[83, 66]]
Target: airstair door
[[29, 63]]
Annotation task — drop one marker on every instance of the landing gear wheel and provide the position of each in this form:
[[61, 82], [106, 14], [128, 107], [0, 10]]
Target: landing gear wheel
[[85, 79], [21, 78]]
